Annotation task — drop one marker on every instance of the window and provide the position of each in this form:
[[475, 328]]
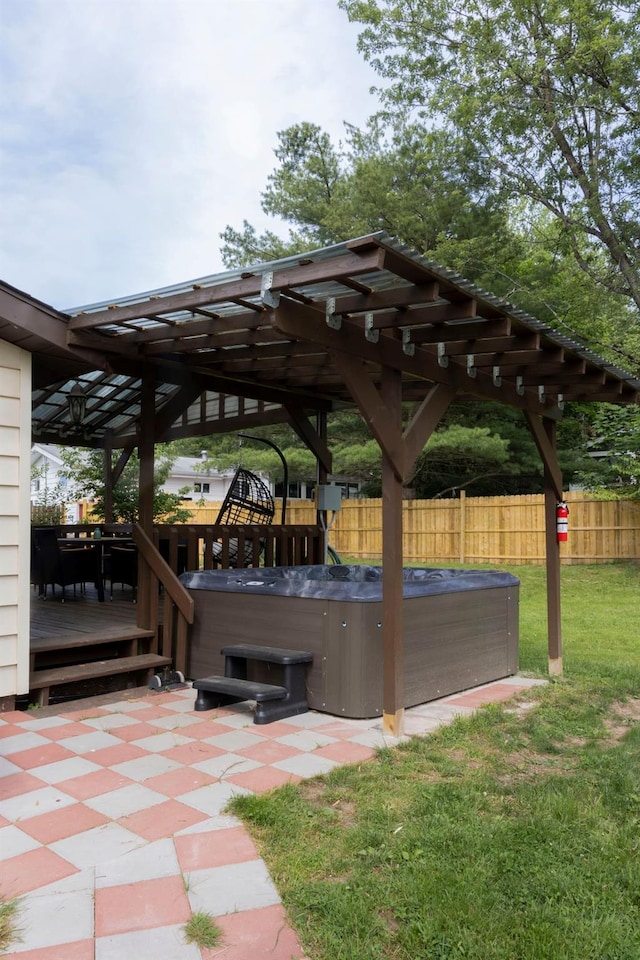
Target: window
[[201, 487]]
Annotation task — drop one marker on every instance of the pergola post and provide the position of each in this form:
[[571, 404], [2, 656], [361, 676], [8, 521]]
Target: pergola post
[[392, 565], [108, 479], [146, 450], [544, 434], [554, 624]]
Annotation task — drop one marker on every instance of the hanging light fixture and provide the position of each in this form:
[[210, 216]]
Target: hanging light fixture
[[77, 400]]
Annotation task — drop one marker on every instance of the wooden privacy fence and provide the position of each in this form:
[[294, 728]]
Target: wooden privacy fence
[[478, 529]]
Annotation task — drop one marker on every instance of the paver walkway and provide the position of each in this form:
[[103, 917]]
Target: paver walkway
[[112, 823]]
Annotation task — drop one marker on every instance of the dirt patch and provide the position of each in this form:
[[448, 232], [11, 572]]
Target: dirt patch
[[623, 715]]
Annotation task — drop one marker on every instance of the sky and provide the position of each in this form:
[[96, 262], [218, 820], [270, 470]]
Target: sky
[[132, 132]]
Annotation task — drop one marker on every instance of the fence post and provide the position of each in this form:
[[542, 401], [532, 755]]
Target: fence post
[[463, 520]]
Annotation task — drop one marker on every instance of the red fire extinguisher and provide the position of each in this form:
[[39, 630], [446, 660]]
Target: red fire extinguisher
[[562, 521]]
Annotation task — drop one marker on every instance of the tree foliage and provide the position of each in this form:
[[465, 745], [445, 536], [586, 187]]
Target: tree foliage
[[614, 442], [546, 91], [84, 472]]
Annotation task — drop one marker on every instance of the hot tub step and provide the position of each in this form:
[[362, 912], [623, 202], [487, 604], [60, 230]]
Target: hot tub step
[[218, 691], [273, 702]]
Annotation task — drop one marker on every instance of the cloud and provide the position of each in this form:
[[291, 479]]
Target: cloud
[[134, 131]]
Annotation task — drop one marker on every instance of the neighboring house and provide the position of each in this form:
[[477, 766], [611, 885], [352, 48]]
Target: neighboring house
[[193, 481], [47, 483], [187, 478], [300, 490]]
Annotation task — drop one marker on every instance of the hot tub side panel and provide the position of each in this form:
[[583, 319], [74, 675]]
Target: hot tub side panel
[[353, 659], [455, 641], [224, 618]]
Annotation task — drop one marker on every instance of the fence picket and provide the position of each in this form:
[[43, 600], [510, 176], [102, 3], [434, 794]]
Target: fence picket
[[500, 530]]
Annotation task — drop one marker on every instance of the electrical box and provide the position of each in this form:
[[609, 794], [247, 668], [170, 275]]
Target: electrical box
[[329, 497]]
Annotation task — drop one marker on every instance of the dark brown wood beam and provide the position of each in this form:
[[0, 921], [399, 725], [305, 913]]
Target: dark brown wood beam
[[540, 432], [348, 265], [306, 324], [310, 437], [475, 329], [485, 345], [374, 410], [423, 423]]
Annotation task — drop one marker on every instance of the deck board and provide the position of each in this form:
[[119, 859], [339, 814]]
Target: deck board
[[84, 614]]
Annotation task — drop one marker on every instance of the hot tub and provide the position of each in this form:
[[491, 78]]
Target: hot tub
[[460, 628]]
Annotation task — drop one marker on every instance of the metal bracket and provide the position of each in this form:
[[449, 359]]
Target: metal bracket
[[497, 379], [471, 365], [268, 297], [520, 386], [443, 359], [408, 347], [370, 333], [333, 320]]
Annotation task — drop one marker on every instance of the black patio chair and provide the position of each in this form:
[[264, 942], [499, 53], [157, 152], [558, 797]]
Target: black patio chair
[[123, 568], [66, 566], [248, 501]]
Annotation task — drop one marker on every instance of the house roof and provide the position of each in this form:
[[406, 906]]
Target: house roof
[[253, 346]]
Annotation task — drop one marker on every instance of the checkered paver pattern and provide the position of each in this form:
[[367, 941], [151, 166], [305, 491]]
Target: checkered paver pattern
[[113, 827]]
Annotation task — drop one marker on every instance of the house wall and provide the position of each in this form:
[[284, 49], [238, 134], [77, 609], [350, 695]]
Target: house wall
[[15, 541], [218, 485]]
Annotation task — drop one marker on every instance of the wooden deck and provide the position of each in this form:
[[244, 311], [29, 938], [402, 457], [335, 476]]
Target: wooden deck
[[83, 648], [82, 614]]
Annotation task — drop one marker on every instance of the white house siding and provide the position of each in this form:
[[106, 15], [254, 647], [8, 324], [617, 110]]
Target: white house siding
[[15, 540]]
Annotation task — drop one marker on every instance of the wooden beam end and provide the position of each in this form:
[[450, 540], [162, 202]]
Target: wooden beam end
[[393, 723], [555, 667]]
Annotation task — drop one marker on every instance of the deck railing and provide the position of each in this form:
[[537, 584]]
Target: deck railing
[[172, 549]]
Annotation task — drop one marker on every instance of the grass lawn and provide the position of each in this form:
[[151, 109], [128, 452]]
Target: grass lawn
[[510, 835]]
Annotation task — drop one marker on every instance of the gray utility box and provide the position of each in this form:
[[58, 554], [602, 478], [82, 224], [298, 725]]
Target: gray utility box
[[460, 629]]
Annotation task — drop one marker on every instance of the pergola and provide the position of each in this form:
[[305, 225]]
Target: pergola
[[364, 322]]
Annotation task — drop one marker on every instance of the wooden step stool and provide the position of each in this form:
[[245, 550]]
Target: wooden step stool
[[273, 701]]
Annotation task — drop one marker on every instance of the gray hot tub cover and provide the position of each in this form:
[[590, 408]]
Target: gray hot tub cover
[[343, 582]]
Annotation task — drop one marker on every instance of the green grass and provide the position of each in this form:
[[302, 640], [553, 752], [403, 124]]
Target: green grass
[[202, 930], [510, 835], [9, 930]]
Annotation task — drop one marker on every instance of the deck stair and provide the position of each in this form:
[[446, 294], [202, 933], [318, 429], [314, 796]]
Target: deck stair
[[273, 701], [79, 657]]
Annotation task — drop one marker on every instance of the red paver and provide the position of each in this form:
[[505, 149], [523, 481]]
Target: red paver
[[162, 820], [17, 784], [215, 848], [270, 751], [339, 731], [64, 730], [39, 756], [203, 730], [58, 824], [134, 731], [345, 752], [256, 935], [10, 730], [141, 906], [151, 713], [78, 950], [93, 784], [191, 753], [110, 756], [270, 731], [177, 782], [34, 869], [263, 779], [88, 713]]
